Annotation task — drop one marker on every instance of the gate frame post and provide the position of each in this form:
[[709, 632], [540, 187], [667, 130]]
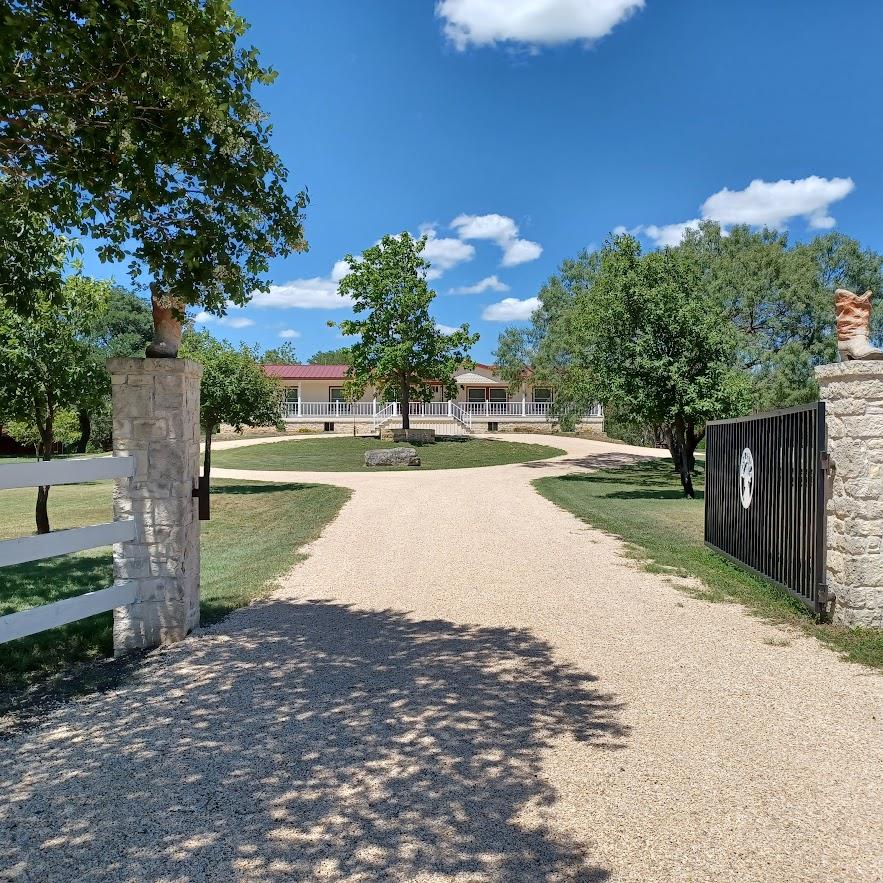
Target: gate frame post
[[156, 420], [853, 395]]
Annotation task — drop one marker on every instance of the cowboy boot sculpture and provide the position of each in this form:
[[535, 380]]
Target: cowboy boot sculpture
[[166, 326], [853, 313]]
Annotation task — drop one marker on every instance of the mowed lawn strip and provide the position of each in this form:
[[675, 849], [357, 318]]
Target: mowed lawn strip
[[254, 536], [347, 454], [644, 506]]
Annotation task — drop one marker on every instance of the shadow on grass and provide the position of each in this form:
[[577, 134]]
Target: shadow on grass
[[652, 482], [221, 486], [316, 740], [608, 460]]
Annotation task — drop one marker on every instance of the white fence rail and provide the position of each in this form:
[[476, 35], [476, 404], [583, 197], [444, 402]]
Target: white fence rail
[[331, 411], [62, 542]]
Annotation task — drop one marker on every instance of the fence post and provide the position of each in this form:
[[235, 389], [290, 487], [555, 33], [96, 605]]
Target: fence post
[[853, 396], [156, 420]]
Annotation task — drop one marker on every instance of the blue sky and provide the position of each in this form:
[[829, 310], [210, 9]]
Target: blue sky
[[518, 139]]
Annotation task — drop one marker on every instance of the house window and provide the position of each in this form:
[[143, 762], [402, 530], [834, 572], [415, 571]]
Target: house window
[[436, 391], [497, 394], [542, 394], [475, 394], [335, 394], [292, 394]]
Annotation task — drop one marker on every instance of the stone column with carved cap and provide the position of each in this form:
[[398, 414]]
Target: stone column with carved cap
[[156, 420], [853, 396]]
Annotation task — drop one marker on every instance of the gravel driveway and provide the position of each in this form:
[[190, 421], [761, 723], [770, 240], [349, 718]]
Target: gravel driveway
[[461, 683]]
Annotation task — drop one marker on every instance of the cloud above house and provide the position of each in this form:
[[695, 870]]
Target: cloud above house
[[502, 231], [760, 204], [511, 309], [489, 283], [446, 329], [204, 318], [531, 23], [317, 293], [289, 334]]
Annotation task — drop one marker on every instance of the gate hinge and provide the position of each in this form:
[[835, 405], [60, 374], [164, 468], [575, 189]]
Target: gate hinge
[[826, 463]]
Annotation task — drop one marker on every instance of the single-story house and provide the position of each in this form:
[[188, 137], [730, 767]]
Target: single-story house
[[314, 399]]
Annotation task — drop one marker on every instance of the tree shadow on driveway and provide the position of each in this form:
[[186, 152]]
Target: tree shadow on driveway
[[302, 741]]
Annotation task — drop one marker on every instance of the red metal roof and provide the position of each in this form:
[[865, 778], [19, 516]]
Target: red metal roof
[[322, 372], [306, 372]]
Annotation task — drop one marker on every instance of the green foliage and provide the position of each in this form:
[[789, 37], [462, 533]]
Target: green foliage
[[66, 430], [49, 365], [755, 312], [124, 327], [399, 347], [340, 356], [234, 388], [135, 122], [280, 355]]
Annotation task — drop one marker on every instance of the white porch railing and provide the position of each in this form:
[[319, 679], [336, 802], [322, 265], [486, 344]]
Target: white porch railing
[[371, 410], [62, 542]]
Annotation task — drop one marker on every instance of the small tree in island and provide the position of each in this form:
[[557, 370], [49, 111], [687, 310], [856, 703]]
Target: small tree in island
[[234, 388], [399, 348]]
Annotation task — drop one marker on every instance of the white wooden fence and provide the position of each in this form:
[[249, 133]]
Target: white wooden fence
[[63, 542]]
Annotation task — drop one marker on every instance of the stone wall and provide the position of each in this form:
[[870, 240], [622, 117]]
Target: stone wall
[[853, 396], [156, 420]]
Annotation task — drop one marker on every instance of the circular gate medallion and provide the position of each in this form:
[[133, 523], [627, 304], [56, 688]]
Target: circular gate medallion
[[746, 478]]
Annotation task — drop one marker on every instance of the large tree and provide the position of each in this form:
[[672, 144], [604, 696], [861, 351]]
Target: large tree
[[234, 388], [135, 122], [284, 354], [340, 356], [121, 328], [48, 364], [399, 347]]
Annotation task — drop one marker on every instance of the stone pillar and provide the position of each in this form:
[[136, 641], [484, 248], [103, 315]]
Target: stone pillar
[[156, 419], [853, 396]]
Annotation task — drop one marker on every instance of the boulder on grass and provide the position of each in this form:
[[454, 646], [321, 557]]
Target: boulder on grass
[[392, 457]]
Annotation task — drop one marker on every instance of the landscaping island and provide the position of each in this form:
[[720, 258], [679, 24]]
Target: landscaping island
[[338, 454]]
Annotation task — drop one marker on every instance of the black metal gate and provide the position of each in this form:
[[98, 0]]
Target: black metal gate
[[765, 497]]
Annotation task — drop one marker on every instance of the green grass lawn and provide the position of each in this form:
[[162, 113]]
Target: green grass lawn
[[643, 504], [253, 537], [347, 454]]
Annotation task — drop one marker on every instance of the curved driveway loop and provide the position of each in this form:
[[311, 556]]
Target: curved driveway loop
[[461, 683]]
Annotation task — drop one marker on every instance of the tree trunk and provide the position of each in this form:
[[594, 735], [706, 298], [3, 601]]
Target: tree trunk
[[85, 431], [207, 456], [41, 513], [405, 403], [683, 455]]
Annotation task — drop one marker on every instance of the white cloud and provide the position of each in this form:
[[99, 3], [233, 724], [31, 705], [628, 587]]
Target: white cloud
[[772, 203], [289, 333], [446, 329], [668, 234], [531, 22], [510, 309], [489, 283], [444, 252], [318, 293], [339, 270], [760, 204], [501, 230], [520, 251], [205, 318]]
